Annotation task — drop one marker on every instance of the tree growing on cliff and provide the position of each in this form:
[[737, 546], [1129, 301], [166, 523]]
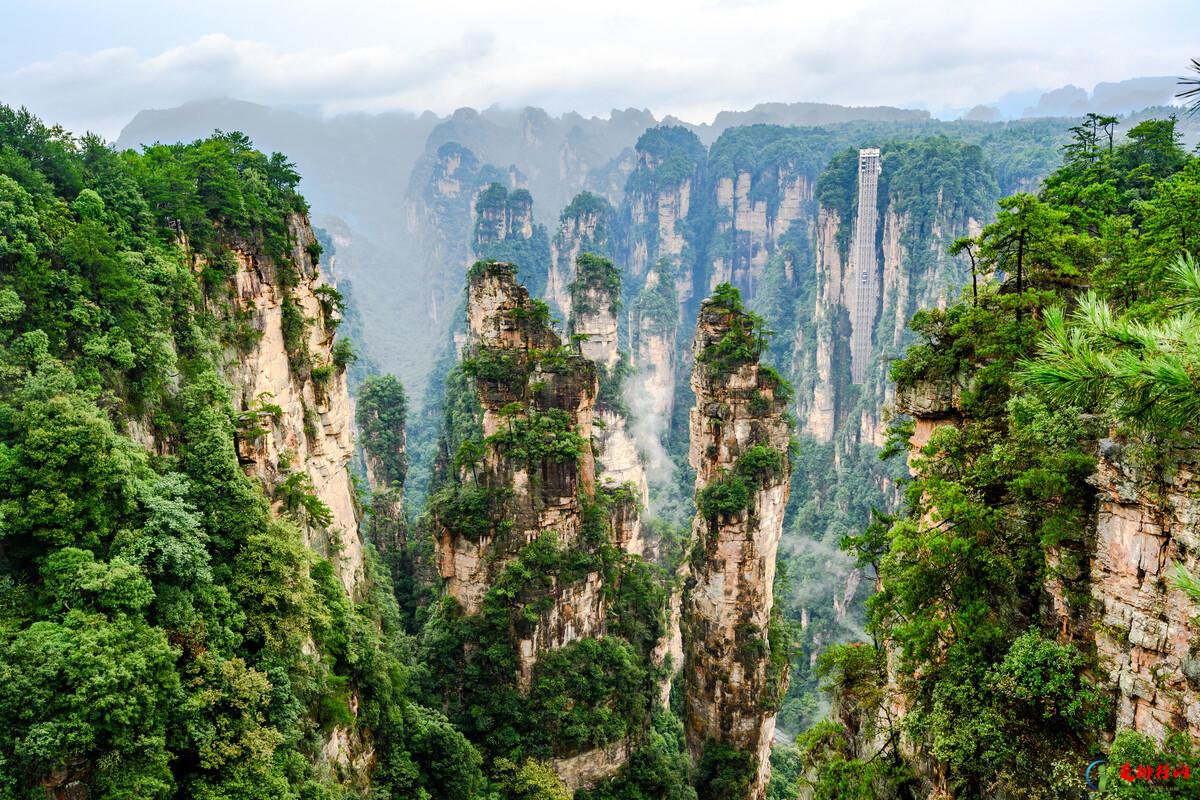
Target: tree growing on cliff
[[1144, 375]]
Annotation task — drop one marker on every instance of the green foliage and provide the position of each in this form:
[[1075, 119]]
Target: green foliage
[[532, 780], [163, 633], [731, 492], [724, 772], [672, 155], [658, 770], [1038, 676], [294, 325], [657, 305], [381, 413], [87, 685], [611, 393], [497, 366], [999, 505], [823, 764], [470, 511], [761, 464], [581, 698], [498, 234], [745, 337], [298, 496], [535, 436], [1141, 374], [343, 354], [1136, 749], [596, 280], [727, 495], [332, 304], [591, 692]]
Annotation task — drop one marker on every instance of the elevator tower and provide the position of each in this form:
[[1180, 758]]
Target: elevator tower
[[862, 266]]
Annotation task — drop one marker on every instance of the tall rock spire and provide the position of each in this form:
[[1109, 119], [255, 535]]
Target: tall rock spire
[[549, 611], [595, 300], [735, 670]]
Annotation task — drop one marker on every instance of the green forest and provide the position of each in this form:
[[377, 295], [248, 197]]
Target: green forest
[[163, 632], [180, 617], [1078, 328]]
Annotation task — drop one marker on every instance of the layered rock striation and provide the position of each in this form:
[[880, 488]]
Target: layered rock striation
[[660, 197], [538, 543], [295, 413], [735, 672], [1146, 633]]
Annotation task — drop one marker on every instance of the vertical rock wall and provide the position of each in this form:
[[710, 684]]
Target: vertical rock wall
[[1147, 639], [731, 690], [595, 296], [312, 430], [585, 226], [659, 198], [522, 377], [546, 495], [750, 226]]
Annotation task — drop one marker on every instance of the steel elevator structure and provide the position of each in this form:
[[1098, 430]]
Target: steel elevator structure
[[863, 266]]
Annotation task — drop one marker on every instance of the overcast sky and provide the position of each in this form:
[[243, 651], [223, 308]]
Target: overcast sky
[[92, 65]]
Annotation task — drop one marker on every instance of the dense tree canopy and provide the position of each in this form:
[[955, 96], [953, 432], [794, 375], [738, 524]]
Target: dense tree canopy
[[162, 632], [998, 505]]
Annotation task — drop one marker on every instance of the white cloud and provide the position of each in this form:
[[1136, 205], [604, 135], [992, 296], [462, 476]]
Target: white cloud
[[673, 56], [108, 86]]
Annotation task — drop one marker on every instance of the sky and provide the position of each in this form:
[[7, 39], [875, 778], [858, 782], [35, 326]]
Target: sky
[[92, 66]]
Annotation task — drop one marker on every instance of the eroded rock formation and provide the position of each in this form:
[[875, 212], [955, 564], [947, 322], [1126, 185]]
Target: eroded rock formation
[[585, 226], [595, 297], [659, 196], [520, 372], [294, 406], [524, 485], [755, 211], [1146, 633], [733, 677]]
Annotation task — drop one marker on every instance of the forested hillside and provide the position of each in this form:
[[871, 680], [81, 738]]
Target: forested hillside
[[1035, 591], [633, 552], [164, 629]]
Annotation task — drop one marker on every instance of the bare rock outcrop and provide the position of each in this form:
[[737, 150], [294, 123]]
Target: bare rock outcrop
[[292, 397], [733, 676], [1146, 633]]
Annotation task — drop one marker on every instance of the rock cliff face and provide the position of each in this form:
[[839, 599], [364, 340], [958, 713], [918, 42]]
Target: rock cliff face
[[653, 326], [739, 439], [755, 211], [295, 422], [1146, 636], [915, 273], [292, 397], [504, 230], [439, 213], [546, 494], [1141, 626], [659, 198], [502, 215], [585, 226], [595, 295], [529, 473]]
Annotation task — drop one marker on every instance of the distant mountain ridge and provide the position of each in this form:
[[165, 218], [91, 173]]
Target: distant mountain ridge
[[365, 176]]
